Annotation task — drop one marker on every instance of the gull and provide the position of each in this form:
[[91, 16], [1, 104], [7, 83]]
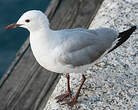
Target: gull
[[68, 50]]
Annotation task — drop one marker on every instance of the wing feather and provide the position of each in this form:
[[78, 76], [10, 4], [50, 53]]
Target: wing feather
[[82, 46]]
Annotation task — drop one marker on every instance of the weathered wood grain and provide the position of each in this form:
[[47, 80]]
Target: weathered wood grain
[[26, 85]]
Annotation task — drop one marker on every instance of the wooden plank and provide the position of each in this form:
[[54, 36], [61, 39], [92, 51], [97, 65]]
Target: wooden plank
[[26, 85]]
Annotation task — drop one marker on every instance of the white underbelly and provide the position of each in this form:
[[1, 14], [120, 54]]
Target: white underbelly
[[48, 60], [50, 64]]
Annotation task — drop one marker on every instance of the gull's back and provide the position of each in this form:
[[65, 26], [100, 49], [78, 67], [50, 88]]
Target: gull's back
[[82, 46]]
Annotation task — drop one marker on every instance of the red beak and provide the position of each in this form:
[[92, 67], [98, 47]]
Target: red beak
[[13, 26]]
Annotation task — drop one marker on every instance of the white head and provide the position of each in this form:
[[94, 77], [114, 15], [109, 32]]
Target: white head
[[32, 20]]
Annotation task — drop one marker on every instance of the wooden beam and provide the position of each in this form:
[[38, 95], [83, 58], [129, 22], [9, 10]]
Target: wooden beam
[[26, 85]]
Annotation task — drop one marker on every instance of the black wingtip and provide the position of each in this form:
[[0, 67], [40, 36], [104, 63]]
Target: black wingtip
[[123, 37], [134, 28], [128, 32]]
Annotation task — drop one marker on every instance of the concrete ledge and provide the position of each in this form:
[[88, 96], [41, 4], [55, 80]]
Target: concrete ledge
[[113, 83]]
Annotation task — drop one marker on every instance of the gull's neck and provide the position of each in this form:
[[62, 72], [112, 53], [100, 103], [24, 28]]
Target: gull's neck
[[40, 41], [41, 33], [42, 37]]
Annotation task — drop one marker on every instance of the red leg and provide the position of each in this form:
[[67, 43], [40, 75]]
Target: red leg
[[68, 83], [68, 94], [72, 101]]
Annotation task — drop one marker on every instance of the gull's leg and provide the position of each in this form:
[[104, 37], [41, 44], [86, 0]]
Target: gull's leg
[[72, 100], [68, 94]]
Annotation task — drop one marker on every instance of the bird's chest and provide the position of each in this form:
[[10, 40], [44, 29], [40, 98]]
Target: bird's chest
[[49, 61], [45, 55]]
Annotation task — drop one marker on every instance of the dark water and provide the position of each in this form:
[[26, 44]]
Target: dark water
[[11, 40]]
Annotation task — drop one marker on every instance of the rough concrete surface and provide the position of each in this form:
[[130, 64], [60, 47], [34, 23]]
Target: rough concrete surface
[[113, 83]]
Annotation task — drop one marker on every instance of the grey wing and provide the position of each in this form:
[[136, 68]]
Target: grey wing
[[85, 46]]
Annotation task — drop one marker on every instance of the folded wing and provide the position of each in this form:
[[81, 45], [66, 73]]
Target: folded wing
[[82, 46]]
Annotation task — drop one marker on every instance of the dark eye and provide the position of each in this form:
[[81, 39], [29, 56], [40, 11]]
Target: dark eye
[[27, 20]]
